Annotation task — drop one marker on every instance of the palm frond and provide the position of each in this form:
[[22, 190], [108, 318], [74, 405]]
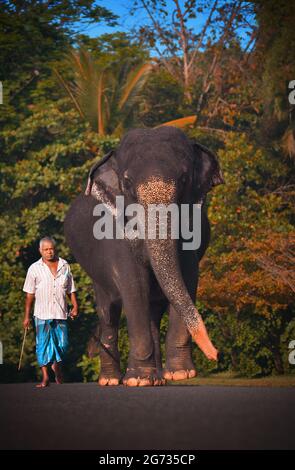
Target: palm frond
[[105, 97], [100, 118], [68, 90], [88, 88], [135, 81]]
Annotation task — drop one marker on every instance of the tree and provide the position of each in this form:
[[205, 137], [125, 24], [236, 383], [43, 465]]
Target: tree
[[105, 97], [170, 30], [161, 99], [234, 280], [110, 97], [33, 36], [276, 68], [47, 160], [246, 291], [45, 155]]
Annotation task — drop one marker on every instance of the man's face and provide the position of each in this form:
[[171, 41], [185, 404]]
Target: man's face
[[47, 251]]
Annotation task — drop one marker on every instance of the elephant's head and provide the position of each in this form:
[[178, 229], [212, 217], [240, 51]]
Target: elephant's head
[[154, 166]]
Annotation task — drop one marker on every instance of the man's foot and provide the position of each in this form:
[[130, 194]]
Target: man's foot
[[57, 372], [43, 384], [203, 341]]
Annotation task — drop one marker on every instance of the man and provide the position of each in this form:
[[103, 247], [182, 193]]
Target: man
[[48, 282]]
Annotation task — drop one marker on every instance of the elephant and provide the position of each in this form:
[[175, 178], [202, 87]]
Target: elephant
[[145, 277]]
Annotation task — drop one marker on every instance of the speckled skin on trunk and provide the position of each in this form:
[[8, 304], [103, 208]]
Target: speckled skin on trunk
[[145, 278]]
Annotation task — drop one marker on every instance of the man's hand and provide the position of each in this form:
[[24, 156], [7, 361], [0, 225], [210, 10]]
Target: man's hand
[[26, 323], [28, 306], [74, 313]]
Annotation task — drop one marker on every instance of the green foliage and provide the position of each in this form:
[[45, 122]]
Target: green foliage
[[113, 48], [90, 368], [161, 99], [47, 150], [34, 35], [252, 307], [45, 164], [276, 67]]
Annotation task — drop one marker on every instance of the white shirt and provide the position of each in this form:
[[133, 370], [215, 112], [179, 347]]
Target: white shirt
[[50, 292]]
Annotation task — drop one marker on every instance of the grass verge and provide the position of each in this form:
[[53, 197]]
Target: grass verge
[[232, 380]]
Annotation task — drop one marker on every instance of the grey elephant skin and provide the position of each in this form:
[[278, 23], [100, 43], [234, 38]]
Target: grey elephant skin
[[145, 278]]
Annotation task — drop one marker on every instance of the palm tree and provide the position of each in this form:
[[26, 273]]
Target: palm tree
[[105, 97]]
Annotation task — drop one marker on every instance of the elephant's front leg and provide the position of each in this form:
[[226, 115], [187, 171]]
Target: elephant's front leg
[[178, 345], [141, 370]]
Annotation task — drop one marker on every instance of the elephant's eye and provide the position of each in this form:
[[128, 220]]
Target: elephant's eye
[[127, 180]]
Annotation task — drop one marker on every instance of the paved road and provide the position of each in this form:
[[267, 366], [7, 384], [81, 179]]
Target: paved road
[[85, 416]]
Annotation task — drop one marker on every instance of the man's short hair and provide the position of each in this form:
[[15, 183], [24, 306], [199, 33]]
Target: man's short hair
[[47, 239]]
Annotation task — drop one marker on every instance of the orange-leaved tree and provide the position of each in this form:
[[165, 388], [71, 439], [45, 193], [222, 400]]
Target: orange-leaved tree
[[247, 270]]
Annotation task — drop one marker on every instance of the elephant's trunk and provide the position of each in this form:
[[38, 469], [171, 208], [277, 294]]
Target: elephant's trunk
[[165, 263]]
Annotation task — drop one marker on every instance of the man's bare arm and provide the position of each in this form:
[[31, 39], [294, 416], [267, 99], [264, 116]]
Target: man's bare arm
[[28, 306], [74, 311]]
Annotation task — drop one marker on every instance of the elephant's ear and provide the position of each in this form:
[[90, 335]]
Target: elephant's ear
[[103, 175], [207, 172]]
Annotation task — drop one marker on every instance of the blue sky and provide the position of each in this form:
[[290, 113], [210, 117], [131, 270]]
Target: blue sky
[[122, 9], [125, 21]]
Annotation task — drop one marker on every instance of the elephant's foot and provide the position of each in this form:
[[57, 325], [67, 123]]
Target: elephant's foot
[[143, 377], [110, 378], [179, 364], [111, 381], [181, 374]]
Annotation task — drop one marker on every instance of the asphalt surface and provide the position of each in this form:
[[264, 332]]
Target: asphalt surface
[[85, 416]]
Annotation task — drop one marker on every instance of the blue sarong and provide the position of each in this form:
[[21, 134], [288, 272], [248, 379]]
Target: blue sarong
[[51, 340]]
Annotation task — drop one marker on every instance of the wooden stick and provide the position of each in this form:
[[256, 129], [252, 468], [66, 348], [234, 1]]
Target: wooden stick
[[23, 345]]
